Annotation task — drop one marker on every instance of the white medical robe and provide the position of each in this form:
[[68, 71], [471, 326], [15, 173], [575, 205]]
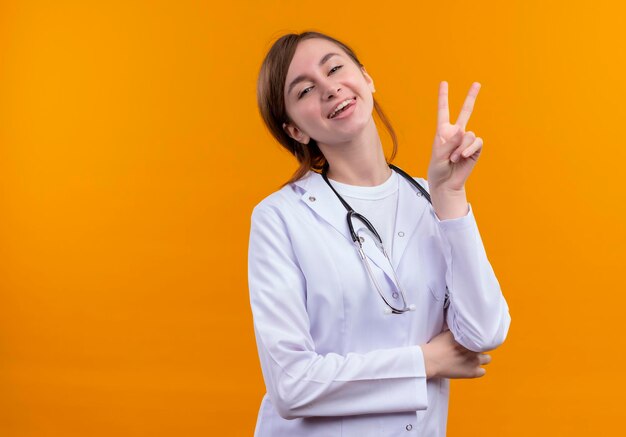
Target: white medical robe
[[334, 364]]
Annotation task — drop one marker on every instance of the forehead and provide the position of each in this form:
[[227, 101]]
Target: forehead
[[308, 54]]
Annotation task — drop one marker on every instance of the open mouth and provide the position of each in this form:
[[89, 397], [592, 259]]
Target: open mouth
[[344, 108]]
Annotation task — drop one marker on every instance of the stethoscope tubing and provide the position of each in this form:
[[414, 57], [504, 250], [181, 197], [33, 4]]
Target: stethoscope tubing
[[353, 214]]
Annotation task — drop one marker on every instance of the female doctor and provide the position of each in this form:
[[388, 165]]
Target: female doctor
[[366, 297]]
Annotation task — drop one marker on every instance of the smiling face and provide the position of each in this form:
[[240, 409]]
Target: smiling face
[[320, 77]]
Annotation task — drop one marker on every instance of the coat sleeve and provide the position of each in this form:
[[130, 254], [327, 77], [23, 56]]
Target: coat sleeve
[[301, 382], [478, 314]]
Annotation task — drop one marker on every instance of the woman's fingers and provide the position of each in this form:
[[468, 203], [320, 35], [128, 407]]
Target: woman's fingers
[[443, 110], [476, 146], [468, 105], [484, 359], [468, 139], [443, 113]]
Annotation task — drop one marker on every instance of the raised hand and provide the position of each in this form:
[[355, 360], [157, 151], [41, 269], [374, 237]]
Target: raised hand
[[455, 151]]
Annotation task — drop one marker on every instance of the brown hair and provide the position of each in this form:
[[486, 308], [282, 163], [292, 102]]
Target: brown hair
[[271, 101]]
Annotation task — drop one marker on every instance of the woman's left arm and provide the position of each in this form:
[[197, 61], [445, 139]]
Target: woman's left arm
[[478, 315]]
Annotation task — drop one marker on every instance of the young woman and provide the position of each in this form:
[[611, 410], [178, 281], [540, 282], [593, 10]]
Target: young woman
[[366, 297]]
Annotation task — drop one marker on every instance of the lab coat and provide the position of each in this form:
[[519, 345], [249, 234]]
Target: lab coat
[[333, 363]]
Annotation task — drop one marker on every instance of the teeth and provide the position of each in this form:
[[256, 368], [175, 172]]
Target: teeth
[[340, 106]]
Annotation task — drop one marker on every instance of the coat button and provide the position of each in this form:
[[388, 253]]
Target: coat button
[[409, 427], [419, 193], [312, 198], [361, 239], [401, 234], [395, 295]]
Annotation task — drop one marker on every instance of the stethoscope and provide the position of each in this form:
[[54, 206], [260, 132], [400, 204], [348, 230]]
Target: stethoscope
[[390, 309]]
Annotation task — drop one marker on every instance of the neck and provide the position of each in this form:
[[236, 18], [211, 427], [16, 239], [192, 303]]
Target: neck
[[360, 161]]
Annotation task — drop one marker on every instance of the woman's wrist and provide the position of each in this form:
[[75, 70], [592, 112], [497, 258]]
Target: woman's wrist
[[449, 204], [429, 364]]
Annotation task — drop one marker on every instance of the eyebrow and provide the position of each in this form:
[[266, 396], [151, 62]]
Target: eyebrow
[[303, 77]]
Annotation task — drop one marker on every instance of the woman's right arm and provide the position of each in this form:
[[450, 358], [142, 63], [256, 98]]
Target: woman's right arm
[[301, 382]]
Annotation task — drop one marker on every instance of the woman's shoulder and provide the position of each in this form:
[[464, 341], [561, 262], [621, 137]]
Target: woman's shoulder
[[281, 200]]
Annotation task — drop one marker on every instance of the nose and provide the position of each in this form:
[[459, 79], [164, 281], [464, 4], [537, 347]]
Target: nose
[[332, 90]]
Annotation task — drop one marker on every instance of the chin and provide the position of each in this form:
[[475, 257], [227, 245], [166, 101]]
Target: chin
[[346, 133]]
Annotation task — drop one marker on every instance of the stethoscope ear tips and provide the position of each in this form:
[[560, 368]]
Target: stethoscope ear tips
[[412, 307], [387, 311]]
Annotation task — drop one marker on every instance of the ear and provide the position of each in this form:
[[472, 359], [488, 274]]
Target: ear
[[368, 79], [296, 133]]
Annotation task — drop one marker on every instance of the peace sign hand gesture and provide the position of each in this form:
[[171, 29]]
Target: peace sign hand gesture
[[455, 151]]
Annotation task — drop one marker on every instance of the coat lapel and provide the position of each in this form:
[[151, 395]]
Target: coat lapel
[[322, 200]]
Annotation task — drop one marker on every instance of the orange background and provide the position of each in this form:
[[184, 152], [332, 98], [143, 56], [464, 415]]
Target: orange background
[[132, 154]]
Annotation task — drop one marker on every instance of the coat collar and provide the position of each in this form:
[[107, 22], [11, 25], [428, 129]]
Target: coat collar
[[318, 196]]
